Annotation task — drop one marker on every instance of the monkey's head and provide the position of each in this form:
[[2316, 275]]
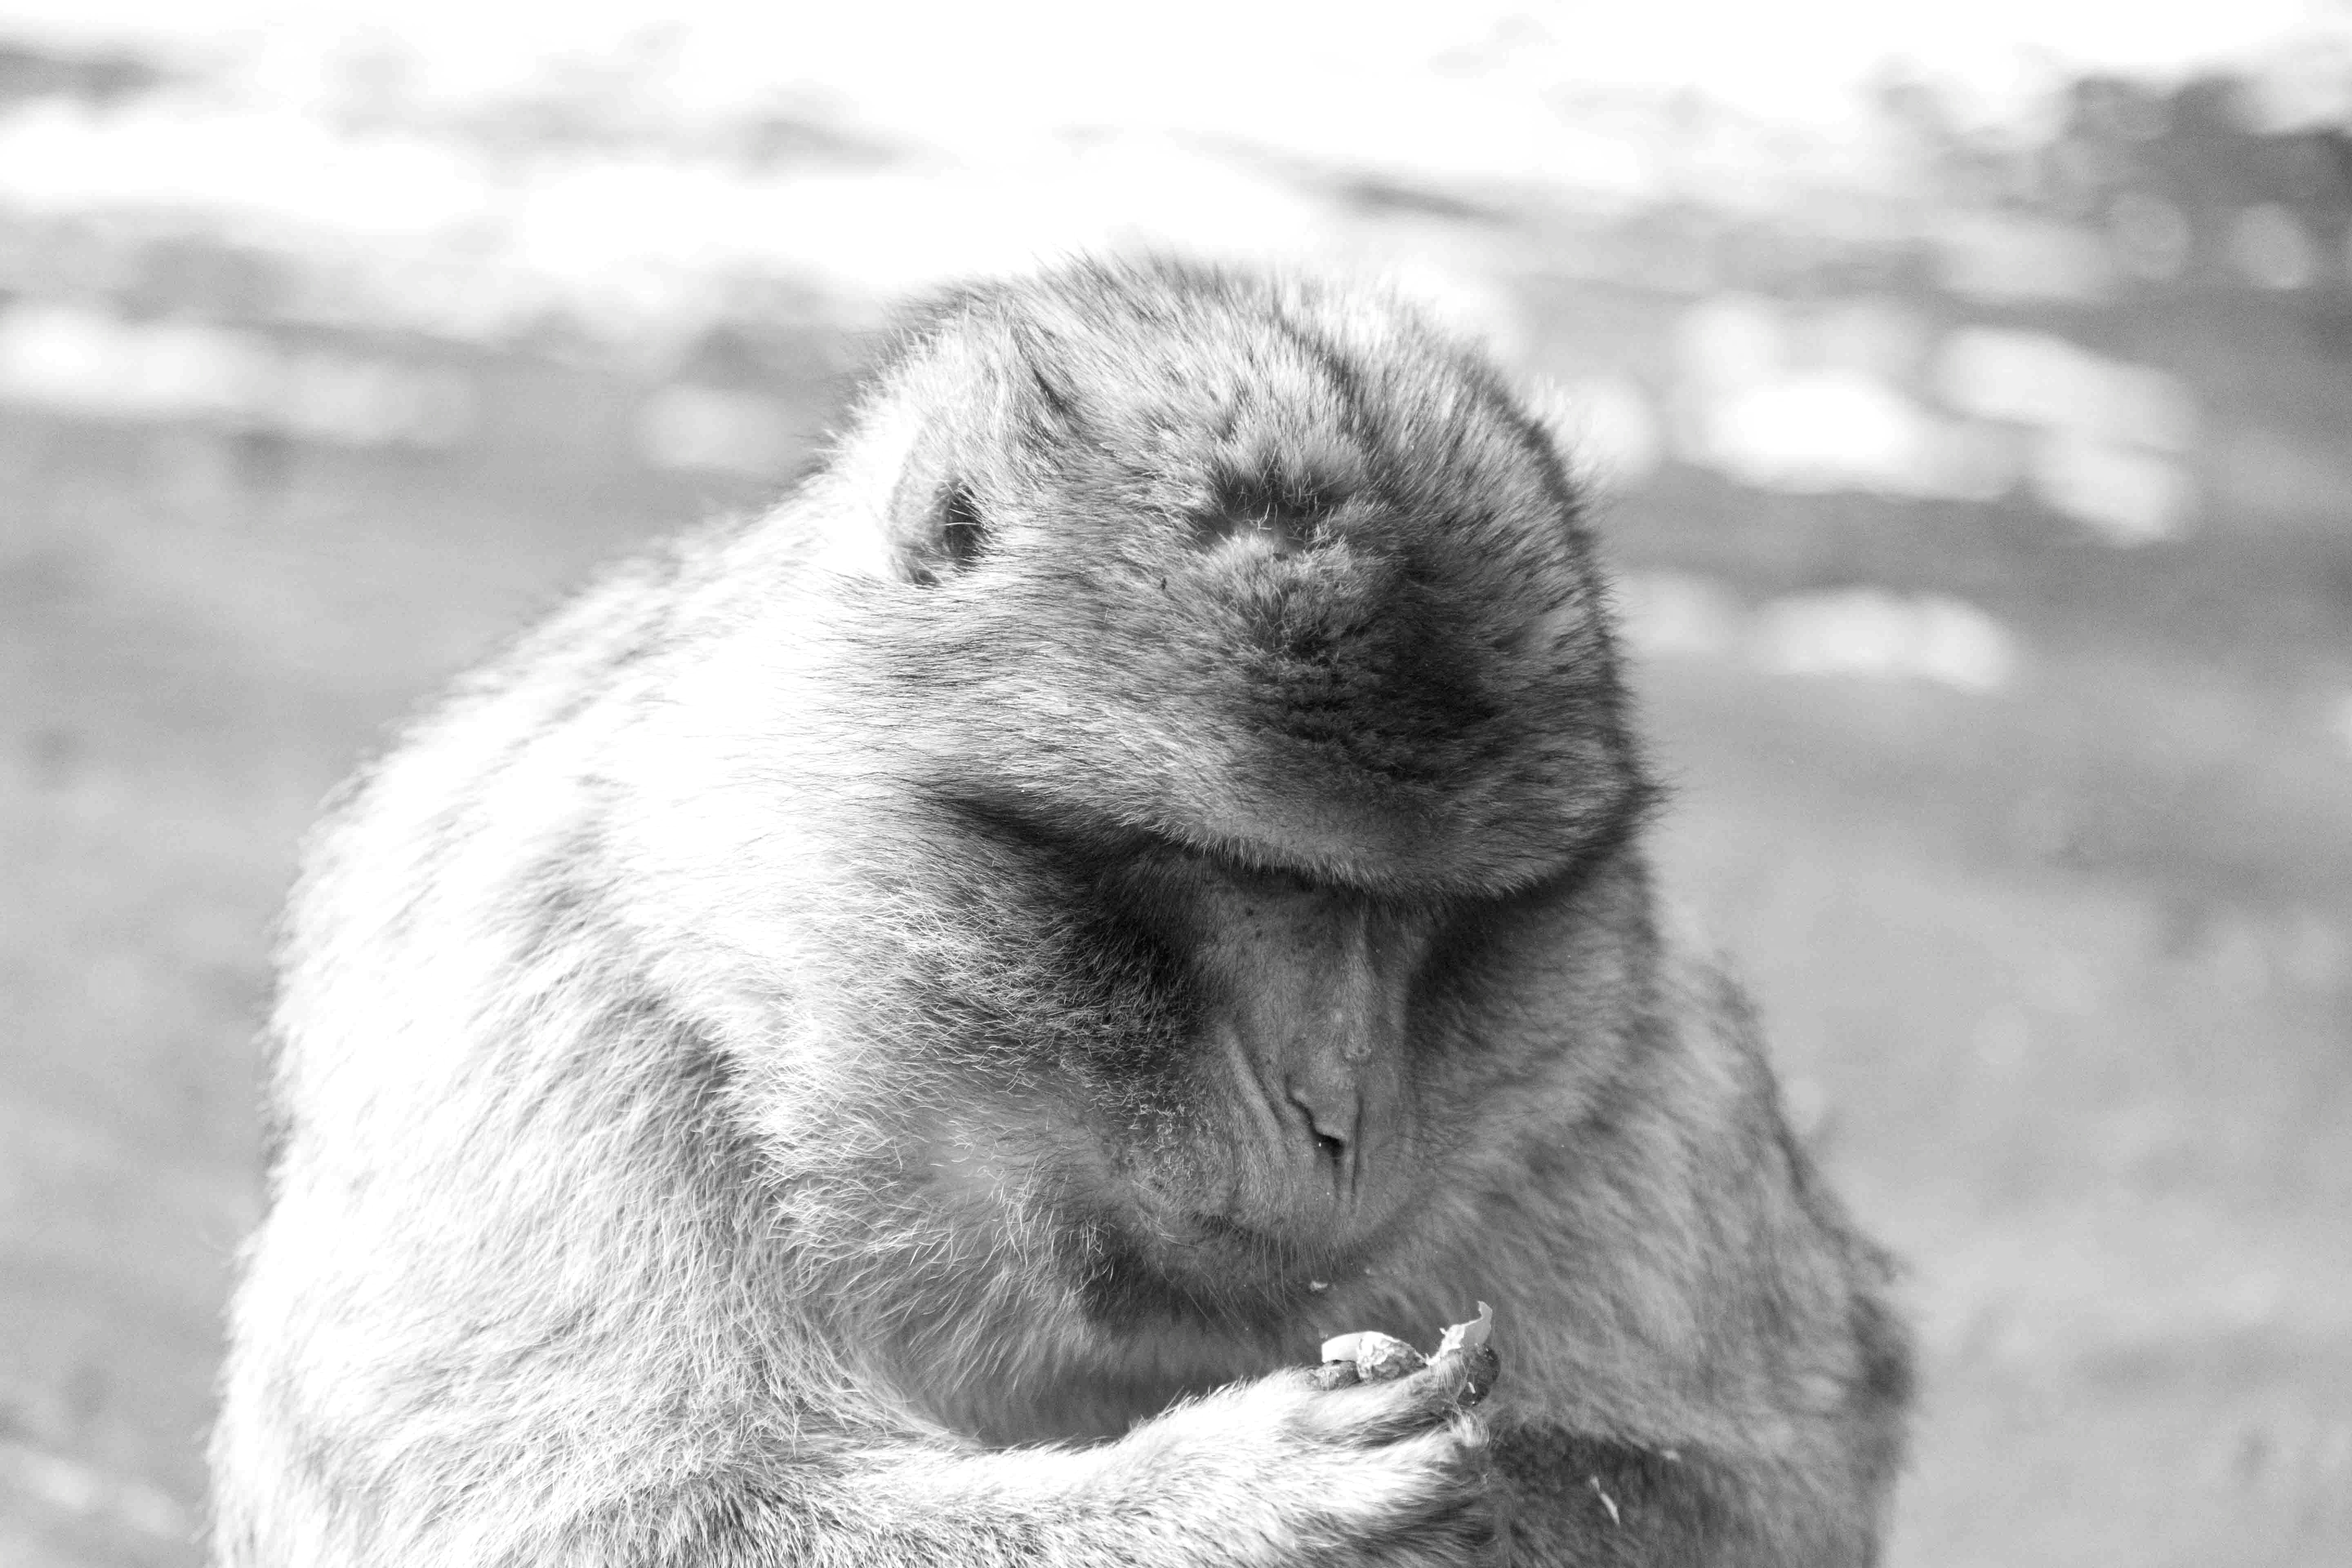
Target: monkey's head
[[1228, 701]]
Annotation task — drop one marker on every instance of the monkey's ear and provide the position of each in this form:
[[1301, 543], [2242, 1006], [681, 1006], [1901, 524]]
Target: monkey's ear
[[933, 524], [936, 530]]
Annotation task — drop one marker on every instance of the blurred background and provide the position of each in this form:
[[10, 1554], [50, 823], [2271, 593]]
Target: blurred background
[[1970, 393]]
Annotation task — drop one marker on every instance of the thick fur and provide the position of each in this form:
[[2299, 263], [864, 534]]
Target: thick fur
[[776, 1068]]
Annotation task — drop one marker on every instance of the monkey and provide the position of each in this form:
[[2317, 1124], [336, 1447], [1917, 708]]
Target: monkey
[[889, 1029]]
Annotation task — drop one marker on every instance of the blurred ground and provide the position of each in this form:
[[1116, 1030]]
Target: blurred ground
[[1990, 576]]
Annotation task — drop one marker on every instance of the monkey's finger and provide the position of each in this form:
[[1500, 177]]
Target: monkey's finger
[[1384, 1412], [1459, 1378], [1449, 1377], [1333, 1375], [1480, 1367]]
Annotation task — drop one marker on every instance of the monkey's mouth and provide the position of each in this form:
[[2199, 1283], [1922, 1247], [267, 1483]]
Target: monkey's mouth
[[1207, 1268], [1222, 1231], [1277, 1264], [1210, 1219]]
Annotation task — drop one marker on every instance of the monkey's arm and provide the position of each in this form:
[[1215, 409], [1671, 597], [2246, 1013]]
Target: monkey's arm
[[1734, 1398], [598, 1360], [516, 1430], [1272, 1472]]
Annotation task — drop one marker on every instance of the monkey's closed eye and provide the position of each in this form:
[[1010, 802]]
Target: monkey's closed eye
[[1090, 846]]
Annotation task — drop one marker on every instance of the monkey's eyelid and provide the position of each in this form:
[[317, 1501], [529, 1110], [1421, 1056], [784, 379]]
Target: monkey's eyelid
[[1544, 887], [1108, 847], [1016, 822], [1114, 845]]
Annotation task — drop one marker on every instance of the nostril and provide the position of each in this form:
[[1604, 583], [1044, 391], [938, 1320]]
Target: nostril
[[1316, 1125]]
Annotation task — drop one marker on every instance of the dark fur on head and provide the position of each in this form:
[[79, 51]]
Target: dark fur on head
[[1131, 869], [1360, 625]]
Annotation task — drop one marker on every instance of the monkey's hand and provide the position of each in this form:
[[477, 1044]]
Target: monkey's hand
[[1287, 1470]]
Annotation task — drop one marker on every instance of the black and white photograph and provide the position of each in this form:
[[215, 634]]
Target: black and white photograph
[[1260, 783]]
